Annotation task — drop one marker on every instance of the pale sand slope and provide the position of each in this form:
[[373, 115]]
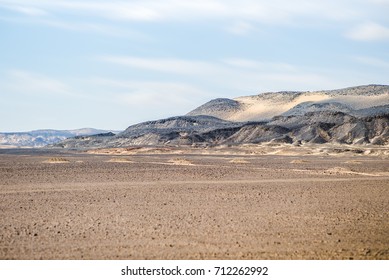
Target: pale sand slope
[[258, 108], [267, 207]]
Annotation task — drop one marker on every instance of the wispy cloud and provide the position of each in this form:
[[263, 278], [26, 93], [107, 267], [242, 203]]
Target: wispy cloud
[[370, 31], [26, 10], [241, 18], [66, 25], [80, 26], [277, 11]]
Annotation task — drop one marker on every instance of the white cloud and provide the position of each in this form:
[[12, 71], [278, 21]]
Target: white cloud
[[236, 17], [105, 29], [80, 26], [369, 32], [29, 11], [276, 11]]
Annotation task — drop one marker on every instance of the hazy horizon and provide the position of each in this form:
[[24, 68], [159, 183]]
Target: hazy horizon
[[75, 64]]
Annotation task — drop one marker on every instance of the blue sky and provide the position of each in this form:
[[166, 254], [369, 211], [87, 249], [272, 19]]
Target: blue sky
[[109, 64]]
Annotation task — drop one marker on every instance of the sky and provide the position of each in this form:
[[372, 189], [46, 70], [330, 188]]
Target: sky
[[109, 64]]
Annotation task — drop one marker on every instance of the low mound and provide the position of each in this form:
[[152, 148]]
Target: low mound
[[121, 160], [180, 161], [340, 170], [238, 160], [299, 161], [57, 160]]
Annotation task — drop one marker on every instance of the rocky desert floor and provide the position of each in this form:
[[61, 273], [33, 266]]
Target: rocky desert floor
[[246, 203]]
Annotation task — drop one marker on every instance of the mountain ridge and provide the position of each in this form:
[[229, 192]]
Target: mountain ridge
[[355, 115], [314, 127]]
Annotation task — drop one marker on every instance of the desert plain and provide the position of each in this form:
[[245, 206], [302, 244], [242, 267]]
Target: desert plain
[[248, 202]]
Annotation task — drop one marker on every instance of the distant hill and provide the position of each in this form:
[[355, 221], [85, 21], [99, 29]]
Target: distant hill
[[181, 130], [356, 115], [41, 138]]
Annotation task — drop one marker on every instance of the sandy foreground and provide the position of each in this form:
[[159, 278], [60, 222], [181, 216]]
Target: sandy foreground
[[192, 204]]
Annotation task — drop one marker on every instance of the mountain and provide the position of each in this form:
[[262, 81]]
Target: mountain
[[40, 138], [357, 115], [314, 127]]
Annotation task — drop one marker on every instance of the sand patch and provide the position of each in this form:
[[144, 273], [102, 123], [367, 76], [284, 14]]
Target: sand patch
[[239, 161], [120, 160], [342, 170], [180, 161], [338, 169], [354, 162], [259, 108], [56, 160], [299, 161]]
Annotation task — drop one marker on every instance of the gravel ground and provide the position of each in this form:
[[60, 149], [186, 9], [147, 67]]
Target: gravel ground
[[71, 205]]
